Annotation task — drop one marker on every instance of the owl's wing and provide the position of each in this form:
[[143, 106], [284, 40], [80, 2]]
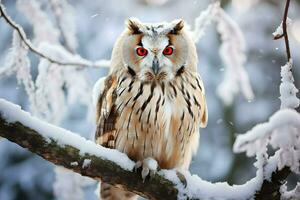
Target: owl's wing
[[204, 114], [106, 111]]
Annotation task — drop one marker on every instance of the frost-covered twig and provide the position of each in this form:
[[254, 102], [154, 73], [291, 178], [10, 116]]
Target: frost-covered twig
[[18, 62], [65, 20], [232, 52], [205, 18], [78, 62], [263, 134], [283, 30]]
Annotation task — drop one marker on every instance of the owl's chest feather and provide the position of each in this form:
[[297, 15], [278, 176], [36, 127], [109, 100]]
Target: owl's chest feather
[[156, 120]]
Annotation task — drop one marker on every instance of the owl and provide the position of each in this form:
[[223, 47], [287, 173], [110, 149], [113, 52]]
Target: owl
[[152, 103]]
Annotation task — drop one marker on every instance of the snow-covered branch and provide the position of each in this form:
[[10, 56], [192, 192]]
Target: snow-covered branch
[[73, 152], [232, 52], [75, 60], [281, 132]]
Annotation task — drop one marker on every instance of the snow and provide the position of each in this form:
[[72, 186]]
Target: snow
[[249, 141], [287, 88], [74, 163], [94, 15], [290, 195], [58, 52], [13, 113], [197, 187], [279, 31], [86, 163], [281, 131]]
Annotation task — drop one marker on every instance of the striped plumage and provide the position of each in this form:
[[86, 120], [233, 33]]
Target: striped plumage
[[147, 114]]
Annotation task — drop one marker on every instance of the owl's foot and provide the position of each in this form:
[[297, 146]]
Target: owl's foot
[[148, 167]]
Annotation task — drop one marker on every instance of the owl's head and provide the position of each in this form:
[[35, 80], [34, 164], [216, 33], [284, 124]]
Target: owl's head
[[155, 51]]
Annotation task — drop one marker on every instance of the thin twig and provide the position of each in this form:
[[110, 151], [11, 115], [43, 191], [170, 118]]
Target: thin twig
[[30, 46], [284, 31], [284, 27]]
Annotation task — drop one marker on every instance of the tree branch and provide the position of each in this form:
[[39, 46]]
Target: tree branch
[[100, 167], [82, 63]]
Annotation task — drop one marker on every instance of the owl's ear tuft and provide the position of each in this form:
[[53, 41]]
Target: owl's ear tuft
[[134, 25], [178, 26]]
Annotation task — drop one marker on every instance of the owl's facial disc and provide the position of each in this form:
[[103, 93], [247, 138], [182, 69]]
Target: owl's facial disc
[[154, 53]]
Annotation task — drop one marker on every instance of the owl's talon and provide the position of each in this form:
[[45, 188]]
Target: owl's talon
[[149, 167], [181, 178], [145, 173]]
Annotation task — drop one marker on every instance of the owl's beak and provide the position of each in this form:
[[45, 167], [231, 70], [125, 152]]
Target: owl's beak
[[155, 65]]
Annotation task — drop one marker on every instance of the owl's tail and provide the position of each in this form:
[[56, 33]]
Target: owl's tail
[[109, 192]]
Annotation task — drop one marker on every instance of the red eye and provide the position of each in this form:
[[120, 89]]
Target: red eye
[[141, 51], [168, 51]]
